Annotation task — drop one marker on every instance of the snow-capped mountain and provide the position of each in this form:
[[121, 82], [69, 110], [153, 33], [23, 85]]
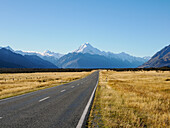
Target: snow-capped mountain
[[28, 52], [10, 59], [49, 53], [46, 55], [87, 56], [8, 48], [124, 56], [87, 48]]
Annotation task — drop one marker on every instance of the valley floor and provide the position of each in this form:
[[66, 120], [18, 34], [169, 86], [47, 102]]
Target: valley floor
[[131, 99], [20, 83]]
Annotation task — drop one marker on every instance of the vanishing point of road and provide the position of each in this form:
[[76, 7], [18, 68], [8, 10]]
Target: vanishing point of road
[[63, 106]]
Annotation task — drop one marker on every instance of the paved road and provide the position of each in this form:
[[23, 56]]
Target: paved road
[[56, 107]]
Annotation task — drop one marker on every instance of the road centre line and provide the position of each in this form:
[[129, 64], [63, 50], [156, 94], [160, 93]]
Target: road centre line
[[62, 90], [44, 99]]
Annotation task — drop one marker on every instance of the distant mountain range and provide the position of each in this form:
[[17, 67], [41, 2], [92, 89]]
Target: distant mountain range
[[87, 48], [9, 59], [86, 60], [47, 55], [86, 56], [160, 59]]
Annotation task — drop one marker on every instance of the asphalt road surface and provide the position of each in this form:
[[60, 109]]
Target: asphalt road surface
[[57, 107]]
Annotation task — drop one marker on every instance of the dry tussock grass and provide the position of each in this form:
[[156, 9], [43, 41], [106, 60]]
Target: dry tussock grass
[[132, 99], [15, 84]]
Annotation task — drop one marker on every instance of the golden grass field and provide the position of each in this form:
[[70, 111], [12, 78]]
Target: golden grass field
[[132, 100], [19, 83]]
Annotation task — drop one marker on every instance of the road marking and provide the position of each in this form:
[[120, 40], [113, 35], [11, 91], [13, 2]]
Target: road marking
[[0, 117], [62, 90], [77, 84], [80, 123], [31, 93], [44, 99], [72, 87]]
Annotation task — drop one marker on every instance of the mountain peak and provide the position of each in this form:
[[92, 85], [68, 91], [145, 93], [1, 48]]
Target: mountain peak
[[50, 53], [123, 53], [86, 43], [47, 51], [88, 48], [8, 48]]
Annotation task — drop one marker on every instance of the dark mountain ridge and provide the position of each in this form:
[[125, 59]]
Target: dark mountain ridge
[[9, 59], [160, 59]]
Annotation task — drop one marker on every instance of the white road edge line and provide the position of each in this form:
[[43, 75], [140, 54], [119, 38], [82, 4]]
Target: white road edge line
[[62, 90], [80, 123], [44, 99]]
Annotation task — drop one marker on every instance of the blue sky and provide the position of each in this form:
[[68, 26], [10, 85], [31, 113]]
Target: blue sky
[[138, 27]]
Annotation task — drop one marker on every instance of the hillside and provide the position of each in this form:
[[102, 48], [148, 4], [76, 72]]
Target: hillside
[[9, 59], [160, 59]]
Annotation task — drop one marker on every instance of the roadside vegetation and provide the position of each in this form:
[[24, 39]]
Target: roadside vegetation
[[132, 99], [20, 83]]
